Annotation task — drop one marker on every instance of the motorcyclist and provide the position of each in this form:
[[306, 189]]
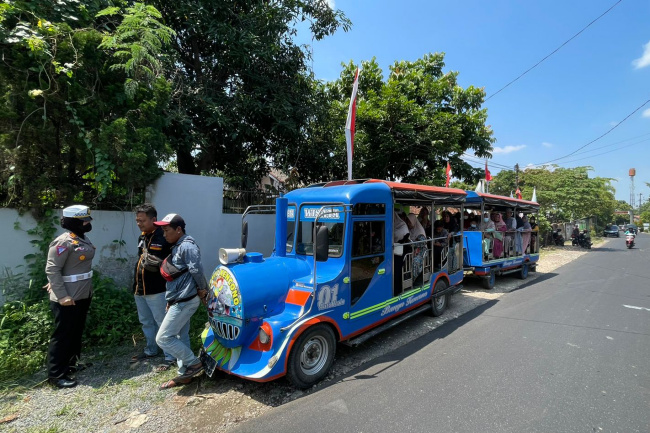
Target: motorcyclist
[[576, 232]]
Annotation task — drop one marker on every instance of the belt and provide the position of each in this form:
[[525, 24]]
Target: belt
[[77, 277], [178, 301]]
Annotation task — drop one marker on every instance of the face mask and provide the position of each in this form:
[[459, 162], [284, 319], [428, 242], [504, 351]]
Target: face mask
[[473, 225], [88, 227], [521, 215], [486, 219], [465, 217]]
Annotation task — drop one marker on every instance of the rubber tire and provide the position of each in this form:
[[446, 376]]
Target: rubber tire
[[437, 310], [488, 282], [523, 272], [295, 374]]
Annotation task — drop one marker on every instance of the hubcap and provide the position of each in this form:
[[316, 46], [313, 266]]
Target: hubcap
[[314, 355], [440, 302]]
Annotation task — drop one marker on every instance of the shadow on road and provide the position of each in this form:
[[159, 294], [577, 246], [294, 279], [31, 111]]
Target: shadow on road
[[396, 356]]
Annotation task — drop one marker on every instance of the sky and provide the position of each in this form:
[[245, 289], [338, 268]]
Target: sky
[[582, 91]]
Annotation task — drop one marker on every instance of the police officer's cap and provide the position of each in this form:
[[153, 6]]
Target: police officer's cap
[[77, 211]]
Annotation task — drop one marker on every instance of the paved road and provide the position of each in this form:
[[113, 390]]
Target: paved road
[[567, 354]]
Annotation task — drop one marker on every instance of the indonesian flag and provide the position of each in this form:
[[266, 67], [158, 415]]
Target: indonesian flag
[[349, 124], [518, 193], [448, 173], [488, 176]]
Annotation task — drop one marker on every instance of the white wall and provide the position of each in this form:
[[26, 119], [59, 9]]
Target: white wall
[[198, 199]]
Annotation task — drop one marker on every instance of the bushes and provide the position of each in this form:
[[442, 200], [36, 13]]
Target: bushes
[[26, 326]]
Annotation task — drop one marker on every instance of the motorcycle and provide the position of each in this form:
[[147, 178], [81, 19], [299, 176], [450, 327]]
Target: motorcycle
[[583, 240], [629, 239], [557, 237]]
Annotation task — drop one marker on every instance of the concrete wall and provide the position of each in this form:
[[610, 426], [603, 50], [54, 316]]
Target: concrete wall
[[198, 199]]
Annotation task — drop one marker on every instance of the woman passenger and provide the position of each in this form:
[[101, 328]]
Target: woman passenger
[[500, 229], [419, 249]]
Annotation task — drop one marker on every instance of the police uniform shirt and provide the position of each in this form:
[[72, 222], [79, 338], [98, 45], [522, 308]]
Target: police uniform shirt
[[69, 255]]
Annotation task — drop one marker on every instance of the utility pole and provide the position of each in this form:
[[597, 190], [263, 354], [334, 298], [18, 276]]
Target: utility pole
[[516, 176], [640, 199]]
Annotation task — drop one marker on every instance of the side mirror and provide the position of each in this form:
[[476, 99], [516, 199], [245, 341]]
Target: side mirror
[[322, 243], [244, 234]]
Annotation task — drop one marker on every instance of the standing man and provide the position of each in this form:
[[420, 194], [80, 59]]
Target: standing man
[[69, 275], [148, 285], [186, 287]]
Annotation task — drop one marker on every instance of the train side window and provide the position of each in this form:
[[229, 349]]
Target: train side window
[[369, 209]]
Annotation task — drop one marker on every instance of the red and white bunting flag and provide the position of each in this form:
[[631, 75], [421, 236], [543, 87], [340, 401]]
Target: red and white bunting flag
[[488, 176], [448, 173], [518, 194], [349, 124]]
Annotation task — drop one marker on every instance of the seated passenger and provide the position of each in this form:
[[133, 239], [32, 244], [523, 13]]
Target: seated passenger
[[425, 221], [440, 241], [473, 225], [419, 249], [500, 229], [488, 228], [400, 235], [525, 235]]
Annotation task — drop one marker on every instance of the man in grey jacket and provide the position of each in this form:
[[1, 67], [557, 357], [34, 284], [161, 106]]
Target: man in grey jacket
[[186, 287]]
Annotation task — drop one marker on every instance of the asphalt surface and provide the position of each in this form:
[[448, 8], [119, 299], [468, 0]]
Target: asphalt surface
[[569, 353]]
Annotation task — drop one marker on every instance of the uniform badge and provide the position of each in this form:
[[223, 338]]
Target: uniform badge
[[60, 250], [82, 257]]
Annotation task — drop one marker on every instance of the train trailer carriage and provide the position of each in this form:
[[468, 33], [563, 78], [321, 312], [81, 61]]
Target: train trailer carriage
[[335, 275], [496, 248]]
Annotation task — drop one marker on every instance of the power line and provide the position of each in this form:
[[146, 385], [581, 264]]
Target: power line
[[553, 52], [598, 138]]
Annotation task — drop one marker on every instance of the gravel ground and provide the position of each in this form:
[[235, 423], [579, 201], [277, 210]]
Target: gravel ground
[[114, 396]]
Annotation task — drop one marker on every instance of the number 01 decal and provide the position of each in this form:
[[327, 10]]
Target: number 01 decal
[[328, 297]]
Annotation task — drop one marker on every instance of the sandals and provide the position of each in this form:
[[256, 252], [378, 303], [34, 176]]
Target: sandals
[[193, 371], [164, 366], [141, 357], [173, 383]]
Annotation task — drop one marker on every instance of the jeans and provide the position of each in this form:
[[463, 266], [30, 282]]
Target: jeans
[[174, 333], [151, 312]]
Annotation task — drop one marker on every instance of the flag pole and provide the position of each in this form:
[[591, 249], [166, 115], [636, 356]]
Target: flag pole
[[350, 123]]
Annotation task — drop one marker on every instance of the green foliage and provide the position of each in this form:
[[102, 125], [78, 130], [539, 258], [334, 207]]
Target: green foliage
[[243, 90], [408, 125], [564, 194], [113, 317], [24, 334], [69, 132], [136, 43], [26, 326]]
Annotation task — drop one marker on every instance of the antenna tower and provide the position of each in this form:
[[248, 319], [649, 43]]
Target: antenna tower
[[632, 173]]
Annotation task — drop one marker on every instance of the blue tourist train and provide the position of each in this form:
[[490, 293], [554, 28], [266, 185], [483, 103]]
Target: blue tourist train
[[505, 239], [351, 259]]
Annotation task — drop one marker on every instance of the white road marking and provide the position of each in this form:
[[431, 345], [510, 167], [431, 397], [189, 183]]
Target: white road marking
[[573, 345], [610, 338], [636, 308]]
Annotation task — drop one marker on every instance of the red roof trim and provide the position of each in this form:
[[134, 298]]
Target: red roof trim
[[416, 187], [501, 197]]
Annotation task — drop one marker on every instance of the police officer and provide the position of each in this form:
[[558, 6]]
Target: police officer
[[69, 260]]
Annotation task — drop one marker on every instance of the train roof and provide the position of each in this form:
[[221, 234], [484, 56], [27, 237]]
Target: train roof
[[500, 200]]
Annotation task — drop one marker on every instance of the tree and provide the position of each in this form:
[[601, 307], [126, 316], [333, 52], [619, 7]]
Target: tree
[[69, 129], [563, 194], [408, 125], [242, 89]]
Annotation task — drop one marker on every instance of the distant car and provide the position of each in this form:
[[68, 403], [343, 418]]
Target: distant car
[[611, 231]]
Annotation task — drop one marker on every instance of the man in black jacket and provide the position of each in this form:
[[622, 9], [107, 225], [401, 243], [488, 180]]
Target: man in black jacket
[[148, 285]]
